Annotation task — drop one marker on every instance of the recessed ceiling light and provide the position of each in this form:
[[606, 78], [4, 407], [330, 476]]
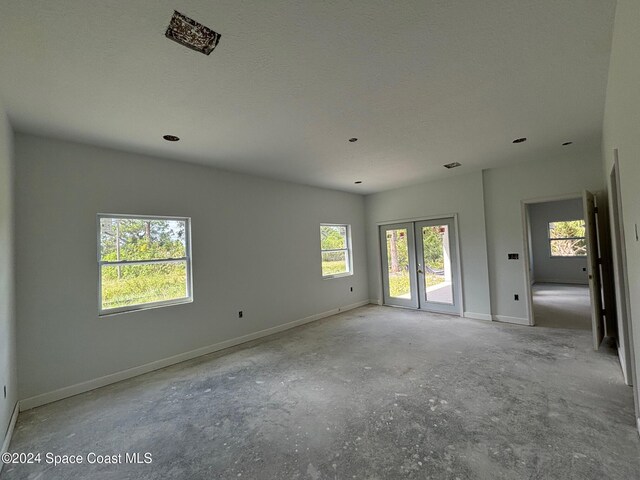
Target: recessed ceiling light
[[452, 165], [186, 31], [171, 138], [566, 143], [353, 139], [520, 140], [358, 182]]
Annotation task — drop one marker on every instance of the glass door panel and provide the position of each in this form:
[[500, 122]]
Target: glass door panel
[[437, 265], [398, 265]]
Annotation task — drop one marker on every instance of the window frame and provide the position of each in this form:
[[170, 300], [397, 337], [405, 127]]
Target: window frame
[[144, 306], [551, 239], [348, 251]]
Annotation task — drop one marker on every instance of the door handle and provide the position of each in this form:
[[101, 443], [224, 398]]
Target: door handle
[[420, 271]]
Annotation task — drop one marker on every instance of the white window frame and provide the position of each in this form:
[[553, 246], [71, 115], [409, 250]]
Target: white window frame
[[348, 251], [145, 306], [550, 239]]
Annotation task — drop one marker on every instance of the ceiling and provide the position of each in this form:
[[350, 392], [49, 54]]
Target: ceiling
[[419, 83]]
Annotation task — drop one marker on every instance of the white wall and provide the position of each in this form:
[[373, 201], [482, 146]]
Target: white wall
[[256, 248], [7, 316], [545, 267], [621, 131], [461, 194], [570, 171]]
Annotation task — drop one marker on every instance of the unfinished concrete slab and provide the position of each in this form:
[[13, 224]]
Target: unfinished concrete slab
[[561, 306], [374, 393]]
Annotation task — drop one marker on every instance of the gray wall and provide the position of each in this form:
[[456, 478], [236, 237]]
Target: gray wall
[[255, 248], [461, 194], [621, 121], [566, 172], [545, 267], [7, 317]]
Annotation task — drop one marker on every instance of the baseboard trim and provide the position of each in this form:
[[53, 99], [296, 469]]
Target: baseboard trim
[[638, 424], [516, 320], [478, 316], [560, 281], [88, 385], [9, 433], [375, 301], [623, 367]]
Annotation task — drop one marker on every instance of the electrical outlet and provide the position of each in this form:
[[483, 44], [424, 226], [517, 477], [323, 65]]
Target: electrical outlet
[[240, 314], [516, 297]]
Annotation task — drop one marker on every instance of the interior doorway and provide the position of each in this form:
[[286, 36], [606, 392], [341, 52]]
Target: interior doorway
[[420, 267], [565, 263]]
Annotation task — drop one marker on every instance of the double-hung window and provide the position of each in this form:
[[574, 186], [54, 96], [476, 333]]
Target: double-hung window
[[567, 239], [335, 245], [143, 262]]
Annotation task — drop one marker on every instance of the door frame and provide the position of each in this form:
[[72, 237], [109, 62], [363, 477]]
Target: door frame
[[526, 231], [458, 268], [620, 280]]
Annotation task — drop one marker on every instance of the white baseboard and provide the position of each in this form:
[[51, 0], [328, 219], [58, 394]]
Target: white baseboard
[[375, 301], [9, 434], [638, 423], [507, 319], [623, 366], [478, 316], [561, 281], [82, 387]]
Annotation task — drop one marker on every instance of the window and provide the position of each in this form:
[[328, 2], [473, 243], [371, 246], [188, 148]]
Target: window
[[566, 239], [143, 262], [335, 243]]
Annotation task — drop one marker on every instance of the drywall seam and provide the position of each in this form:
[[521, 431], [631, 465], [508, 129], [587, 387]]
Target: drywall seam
[[88, 385], [9, 434]]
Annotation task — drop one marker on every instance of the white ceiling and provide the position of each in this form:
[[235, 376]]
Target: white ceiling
[[420, 83]]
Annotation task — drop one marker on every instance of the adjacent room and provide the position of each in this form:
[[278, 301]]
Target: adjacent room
[[339, 239], [558, 264]]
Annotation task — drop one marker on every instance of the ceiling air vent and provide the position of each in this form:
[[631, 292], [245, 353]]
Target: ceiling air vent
[[191, 34], [452, 165]]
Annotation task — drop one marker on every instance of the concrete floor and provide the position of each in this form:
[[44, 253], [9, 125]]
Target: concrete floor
[[375, 393], [561, 306]]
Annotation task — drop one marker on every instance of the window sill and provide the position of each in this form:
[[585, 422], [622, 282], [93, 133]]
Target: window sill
[[337, 275], [140, 308]]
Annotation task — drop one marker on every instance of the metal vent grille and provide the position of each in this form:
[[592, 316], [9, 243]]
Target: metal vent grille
[[186, 31], [452, 165]]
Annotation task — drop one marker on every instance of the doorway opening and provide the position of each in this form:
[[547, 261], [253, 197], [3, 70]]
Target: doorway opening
[[566, 262], [558, 267], [420, 267]]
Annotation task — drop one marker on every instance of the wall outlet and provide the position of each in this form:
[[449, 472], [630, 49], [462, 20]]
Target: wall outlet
[[513, 256], [516, 297], [240, 314]]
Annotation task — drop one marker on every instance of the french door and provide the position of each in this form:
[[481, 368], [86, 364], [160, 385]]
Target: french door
[[420, 265]]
